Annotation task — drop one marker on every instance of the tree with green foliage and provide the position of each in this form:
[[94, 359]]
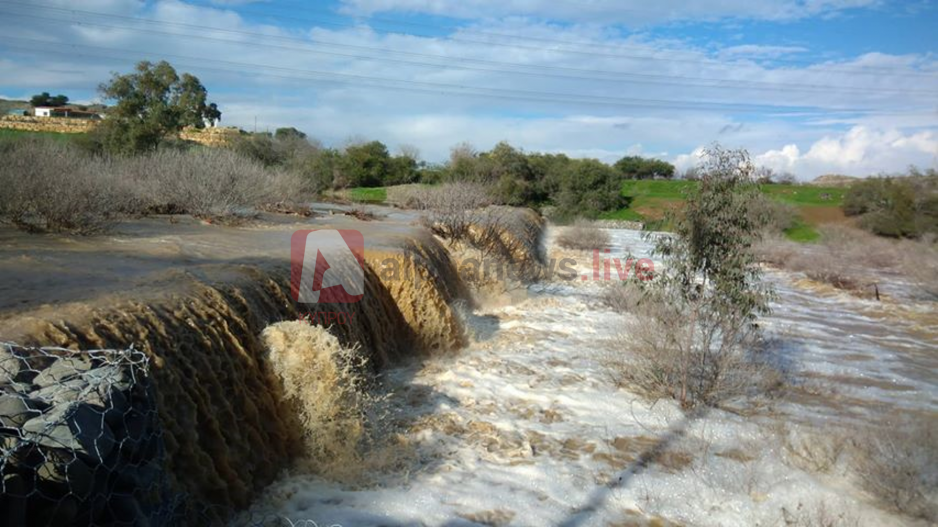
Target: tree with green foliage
[[698, 314], [637, 167], [511, 174], [588, 187], [150, 105], [898, 207], [289, 133], [402, 170], [44, 99], [366, 164]]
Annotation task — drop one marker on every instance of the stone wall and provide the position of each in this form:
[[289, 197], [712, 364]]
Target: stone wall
[[59, 125], [65, 125], [210, 136]]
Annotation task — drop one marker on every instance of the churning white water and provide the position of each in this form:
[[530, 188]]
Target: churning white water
[[526, 427]]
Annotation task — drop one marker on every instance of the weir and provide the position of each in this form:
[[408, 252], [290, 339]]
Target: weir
[[227, 430]]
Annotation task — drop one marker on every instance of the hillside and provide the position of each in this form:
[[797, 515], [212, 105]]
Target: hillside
[[6, 105], [649, 200], [833, 180]]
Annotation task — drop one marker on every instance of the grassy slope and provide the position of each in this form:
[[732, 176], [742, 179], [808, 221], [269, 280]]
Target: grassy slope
[[361, 194], [16, 134], [651, 199]]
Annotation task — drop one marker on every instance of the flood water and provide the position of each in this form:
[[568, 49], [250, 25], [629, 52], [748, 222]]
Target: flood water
[[527, 427]]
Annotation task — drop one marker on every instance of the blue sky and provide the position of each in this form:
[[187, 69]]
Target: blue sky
[[808, 86]]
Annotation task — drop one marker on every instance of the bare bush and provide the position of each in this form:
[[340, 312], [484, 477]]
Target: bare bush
[[817, 451], [451, 209], [775, 250], [692, 354], [583, 236], [820, 514], [920, 263], [209, 183], [625, 297], [899, 466], [851, 259], [51, 187], [773, 216], [360, 212], [854, 245]]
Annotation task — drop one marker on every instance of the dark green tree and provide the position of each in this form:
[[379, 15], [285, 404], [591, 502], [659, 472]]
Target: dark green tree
[[366, 165], [150, 105], [636, 167], [289, 133], [895, 206], [44, 99], [588, 187], [705, 300]]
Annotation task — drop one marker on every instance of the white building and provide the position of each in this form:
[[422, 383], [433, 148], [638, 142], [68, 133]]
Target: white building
[[65, 111]]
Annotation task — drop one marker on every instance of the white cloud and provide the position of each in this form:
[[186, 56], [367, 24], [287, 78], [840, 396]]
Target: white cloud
[[267, 71], [630, 12], [861, 151]]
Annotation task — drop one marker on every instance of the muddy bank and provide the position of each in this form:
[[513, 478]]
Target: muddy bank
[[195, 299]]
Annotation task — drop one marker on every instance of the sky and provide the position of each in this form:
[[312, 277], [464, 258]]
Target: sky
[[809, 87]]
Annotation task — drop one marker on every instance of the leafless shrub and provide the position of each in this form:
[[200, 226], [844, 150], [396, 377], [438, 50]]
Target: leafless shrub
[[361, 213], [816, 452], [819, 515], [773, 216], [407, 196], [775, 250], [451, 209], [920, 263], [851, 259], [668, 355], [625, 297], [849, 244], [899, 466], [51, 187], [583, 236], [463, 214], [209, 183], [826, 267]]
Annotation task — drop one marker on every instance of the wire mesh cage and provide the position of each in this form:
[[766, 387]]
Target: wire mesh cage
[[80, 439]]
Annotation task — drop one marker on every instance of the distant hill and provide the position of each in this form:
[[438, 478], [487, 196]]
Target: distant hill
[[834, 180], [7, 105]]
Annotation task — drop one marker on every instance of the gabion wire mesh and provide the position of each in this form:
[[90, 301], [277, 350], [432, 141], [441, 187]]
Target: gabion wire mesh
[[81, 444], [80, 440]]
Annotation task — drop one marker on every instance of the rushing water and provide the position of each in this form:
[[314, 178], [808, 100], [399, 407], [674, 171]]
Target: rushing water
[[526, 427]]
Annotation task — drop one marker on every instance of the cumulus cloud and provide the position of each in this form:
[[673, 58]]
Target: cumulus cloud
[[861, 151], [620, 93]]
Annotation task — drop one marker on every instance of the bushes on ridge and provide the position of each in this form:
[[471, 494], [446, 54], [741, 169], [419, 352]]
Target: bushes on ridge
[[898, 207], [55, 187]]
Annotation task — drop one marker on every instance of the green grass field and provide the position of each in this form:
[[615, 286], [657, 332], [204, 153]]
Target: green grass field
[[374, 195], [651, 199], [18, 134]]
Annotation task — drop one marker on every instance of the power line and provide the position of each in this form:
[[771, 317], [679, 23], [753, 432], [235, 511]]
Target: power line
[[857, 70], [425, 87], [853, 71], [461, 28], [636, 77]]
